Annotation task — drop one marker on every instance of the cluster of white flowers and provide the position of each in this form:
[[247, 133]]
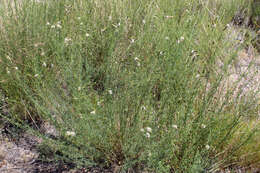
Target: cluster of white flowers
[[57, 25], [149, 154], [180, 40], [147, 135], [175, 126], [67, 41], [203, 126], [228, 26], [93, 112], [168, 17], [110, 92], [193, 54], [8, 57], [42, 54], [70, 133], [148, 131], [38, 44], [137, 60]]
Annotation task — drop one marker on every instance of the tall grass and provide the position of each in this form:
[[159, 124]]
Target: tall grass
[[128, 84]]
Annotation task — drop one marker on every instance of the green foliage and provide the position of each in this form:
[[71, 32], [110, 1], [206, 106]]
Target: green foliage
[[131, 84]]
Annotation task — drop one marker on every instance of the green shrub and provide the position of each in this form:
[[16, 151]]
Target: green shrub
[[128, 84]]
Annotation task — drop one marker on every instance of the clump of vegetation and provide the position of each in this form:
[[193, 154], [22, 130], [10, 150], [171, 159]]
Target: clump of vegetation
[[127, 84]]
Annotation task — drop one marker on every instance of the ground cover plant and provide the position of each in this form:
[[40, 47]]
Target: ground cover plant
[[132, 85]]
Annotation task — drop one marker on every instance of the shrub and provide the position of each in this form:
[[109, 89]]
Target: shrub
[[130, 84]]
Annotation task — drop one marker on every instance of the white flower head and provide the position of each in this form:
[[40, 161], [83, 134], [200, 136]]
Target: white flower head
[[98, 103], [142, 130], [175, 126], [48, 24], [87, 35], [144, 21], [137, 59], [147, 135], [36, 75], [79, 18], [16, 68], [44, 64], [167, 38], [203, 126], [132, 40], [93, 112], [70, 133], [67, 40], [52, 65], [149, 129], [167, 17], [180, 40], [110, 92], [53, 26], [79, 88], [143, 107], [8, 72], [8, 57], [58, 25], [81, 23], [207, 147], [42, 54]]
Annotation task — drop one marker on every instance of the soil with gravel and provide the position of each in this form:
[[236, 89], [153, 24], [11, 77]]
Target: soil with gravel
[[19, 154]]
